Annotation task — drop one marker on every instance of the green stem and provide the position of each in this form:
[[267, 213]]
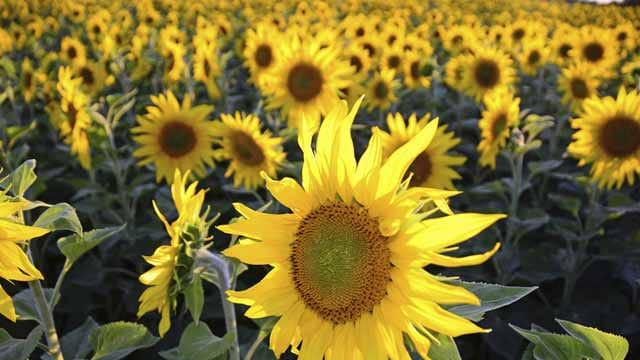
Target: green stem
[[254, 347], [56, 290]]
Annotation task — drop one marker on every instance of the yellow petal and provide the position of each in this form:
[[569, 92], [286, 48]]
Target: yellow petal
[[284, 330], [10, 208], [10, 231], [290, 194], [6, 306], [449, 261], [272, 228], [15, 264], [449, 230]]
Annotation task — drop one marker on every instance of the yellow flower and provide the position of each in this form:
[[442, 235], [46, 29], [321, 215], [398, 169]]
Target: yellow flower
[[534, 56], [501, 114], [347, 279], [73, 52], [577, 83], [307, 80], [206, 68], [381, 90], [14, 263], [597, 48], [75, 123], [261, 53], [608, 137], [249, 151], [174, 136], [489, 70], [433, 168], [174, 63], [455, 71], [417, 71], [93, 77]]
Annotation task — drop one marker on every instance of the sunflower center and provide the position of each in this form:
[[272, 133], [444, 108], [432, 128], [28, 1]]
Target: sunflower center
[[28, 78], [593, 52], [72, 113], [564, 50], [415, 69], [264, 57], [356, 62], [534, 57], [206, 68], [620, 136], [579, 88], [370, 49], [421, 169], [177, 139], [622, 36], [340, 263], [457, 40], [381, 90], [391, 39], [499, 124], [96, 29], [360, 32], [72, 52], [517, 34], [304, 82], [393, 61], [245, 149], [87, 76], [487, 73]]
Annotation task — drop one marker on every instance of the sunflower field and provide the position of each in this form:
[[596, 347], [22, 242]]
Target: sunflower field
[[361, 179]]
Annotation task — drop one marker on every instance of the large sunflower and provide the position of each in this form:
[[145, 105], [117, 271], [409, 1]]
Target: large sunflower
[[174, 136], [577, 83], [608, 137], [249, 151], [14, 263], [501, 114], [433, 168], [489, 69], [347, 278], [307, 80]]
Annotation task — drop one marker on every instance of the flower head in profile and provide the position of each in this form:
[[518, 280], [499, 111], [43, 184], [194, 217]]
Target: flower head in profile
[[347, 278]]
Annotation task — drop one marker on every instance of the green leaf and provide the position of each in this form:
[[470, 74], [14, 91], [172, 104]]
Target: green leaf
[[199, 343], [25, 304], [76, 344], [492, 296], [194, 297], [74, 246], [21, 178], [609, 346], [117, 340], [15, 133], [12, 349], [60, 217], [446, 350], [568, 203], [551, 346], [539, 167]]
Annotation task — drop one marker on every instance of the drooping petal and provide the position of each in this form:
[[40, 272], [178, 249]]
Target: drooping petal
[[449, 261], [6, 306]]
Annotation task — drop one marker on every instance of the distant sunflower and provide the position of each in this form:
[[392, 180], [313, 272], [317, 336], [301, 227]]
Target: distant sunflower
[[577, 83], [381, 90], [15, 265], [347, 280], [608, 137], [597, 48], [631, 72], [28, 80], [534, 56], [501, 114], [174, 136], [392, 59], [489, 70], [75, 122], [433, 168], [73, 52], [249, 150], [562, 42], [174, 63], [261, 52], [417, 71], [206, 68], [307, 80], [93, 77], [455, 70]]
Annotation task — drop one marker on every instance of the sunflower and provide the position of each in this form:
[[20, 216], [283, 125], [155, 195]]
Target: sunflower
[[489, 69], [28, 83], [249, 150], [626, 35], [261, 53], [174, 63], [381, 90], [577, 82], [174, 136], [347, 279], [597, 48], [6, 42], [14, 264], [457, 38], [359, 61], [455, 71], [75, 120], [73, 52], [501, 114], [206, 68], [417, 71], [307, 80], [631, 72], [392, 58], [162, 292], [608, 137], [433, 167], [534, 56], [96, 28], [93, 77], [561, 44]]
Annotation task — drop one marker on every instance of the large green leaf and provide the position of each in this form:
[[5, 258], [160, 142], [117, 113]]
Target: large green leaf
[[76, 245], [116, 340], [549, 346], [76, 344], [21, 178], [492, 296], [609, 346], [15, 349], [60, 217], [199, 343], [446, 350]]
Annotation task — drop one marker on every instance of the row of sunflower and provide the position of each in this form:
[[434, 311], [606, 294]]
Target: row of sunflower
[[394, 106]]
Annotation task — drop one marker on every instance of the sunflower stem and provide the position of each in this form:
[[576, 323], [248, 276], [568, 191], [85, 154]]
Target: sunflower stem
[[222, 267], [56, 290], [254, 346]]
